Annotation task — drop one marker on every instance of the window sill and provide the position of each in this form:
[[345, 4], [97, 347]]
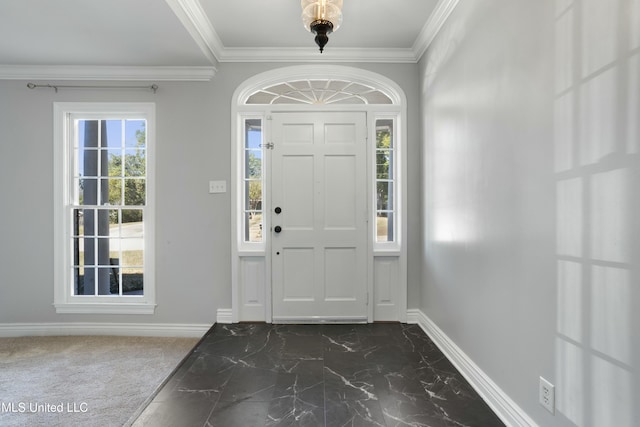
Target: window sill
[[105, 308], [386, 249]]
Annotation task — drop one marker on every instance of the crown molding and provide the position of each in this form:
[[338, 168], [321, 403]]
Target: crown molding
[[106, 73], [196, 22], [311, 55], [432, 27]]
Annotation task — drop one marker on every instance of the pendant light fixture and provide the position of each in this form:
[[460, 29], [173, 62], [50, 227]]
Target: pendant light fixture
[[321, 17]]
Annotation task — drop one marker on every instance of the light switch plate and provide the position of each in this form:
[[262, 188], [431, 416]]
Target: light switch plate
[[217, 187]]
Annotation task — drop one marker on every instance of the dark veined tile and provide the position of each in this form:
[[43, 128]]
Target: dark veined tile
[[172, 382], [356, 413], [419, 412], [301, 330], [298, 398], [302, 347], [303, 408], [207, 373], [455, 397], [238, 340], [333, 329], [296, 416], [377, 329], [240, 414], [315, 375], [345, 341], [185, 409], [239, 330], [249, 384], [348, 377], [301, 387]]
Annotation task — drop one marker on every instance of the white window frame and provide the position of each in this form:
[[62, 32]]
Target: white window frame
[[64, 300], [243, 244], [397, 180]]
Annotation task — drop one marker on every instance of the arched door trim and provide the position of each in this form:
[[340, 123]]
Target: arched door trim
[[251, 284]]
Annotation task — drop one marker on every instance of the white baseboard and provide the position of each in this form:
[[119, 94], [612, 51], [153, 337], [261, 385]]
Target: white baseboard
[[224, 315], [118, 329], [508, 411]]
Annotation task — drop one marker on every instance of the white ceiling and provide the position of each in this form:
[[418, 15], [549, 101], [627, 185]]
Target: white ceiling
[[71, 37], [277, 23]]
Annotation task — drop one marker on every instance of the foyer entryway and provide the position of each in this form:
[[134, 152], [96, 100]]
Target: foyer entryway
[[325, 147], [261, 375]]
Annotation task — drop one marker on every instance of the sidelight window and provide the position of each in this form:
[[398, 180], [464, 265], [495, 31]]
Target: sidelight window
[[385, 181], [253, 183]]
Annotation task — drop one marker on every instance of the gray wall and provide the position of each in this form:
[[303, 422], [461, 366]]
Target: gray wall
[[524, 245], [531, 253], [192, 227]]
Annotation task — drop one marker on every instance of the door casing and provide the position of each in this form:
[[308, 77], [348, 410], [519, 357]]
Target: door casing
[[251, 263]]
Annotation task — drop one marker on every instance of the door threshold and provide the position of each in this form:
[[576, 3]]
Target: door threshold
[[318, 320]]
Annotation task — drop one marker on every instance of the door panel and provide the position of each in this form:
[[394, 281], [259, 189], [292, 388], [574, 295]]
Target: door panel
[[341, 270], [319, 253], [298, 185], [299, 266], [340, 185], [340, 133], [297, 133]]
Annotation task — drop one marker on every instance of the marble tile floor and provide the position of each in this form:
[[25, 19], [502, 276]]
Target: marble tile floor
[[256, 374]]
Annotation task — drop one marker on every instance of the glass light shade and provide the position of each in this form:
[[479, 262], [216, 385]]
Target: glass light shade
[[324, 10]]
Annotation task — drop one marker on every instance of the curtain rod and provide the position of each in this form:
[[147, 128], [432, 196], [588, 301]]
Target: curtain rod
[[153, 87]]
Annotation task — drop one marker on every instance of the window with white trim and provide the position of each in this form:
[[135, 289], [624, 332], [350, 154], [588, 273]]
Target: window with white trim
[[104, 204], [385, 181], [253, 182]]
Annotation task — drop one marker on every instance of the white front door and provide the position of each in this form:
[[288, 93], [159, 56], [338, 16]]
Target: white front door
[[319, 217]]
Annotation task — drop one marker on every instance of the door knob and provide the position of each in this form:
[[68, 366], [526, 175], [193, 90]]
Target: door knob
[[278, 210], [277, 229]]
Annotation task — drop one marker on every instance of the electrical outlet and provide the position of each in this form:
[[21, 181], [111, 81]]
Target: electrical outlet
[[547, 395]]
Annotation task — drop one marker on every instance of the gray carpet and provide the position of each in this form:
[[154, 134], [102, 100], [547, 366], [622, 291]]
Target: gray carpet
[[82, 381]]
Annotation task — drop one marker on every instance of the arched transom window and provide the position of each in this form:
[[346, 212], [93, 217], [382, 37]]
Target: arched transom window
[[319, 92]]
